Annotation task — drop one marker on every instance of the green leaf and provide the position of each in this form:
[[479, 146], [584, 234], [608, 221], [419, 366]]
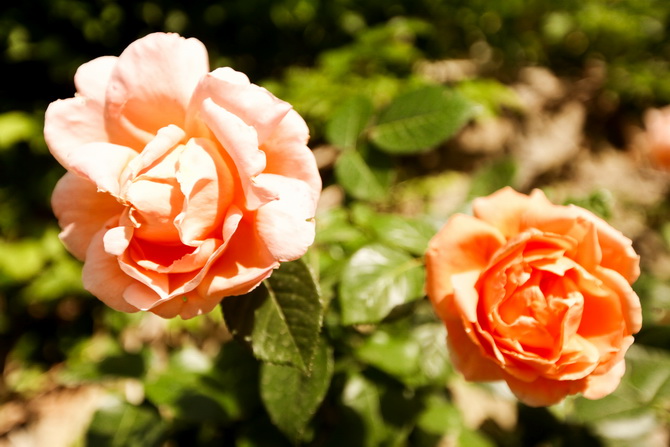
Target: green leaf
[[376, 279], [195, 390], [416, 357], [281, 318], [366, 178], [363, 398], [292, 397], [420, 120], [120, 424], [348, 121], [407, 233], [17, 126]]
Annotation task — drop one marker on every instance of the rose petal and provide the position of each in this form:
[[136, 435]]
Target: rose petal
[[506, 208], [288, 155], [543, 392], [241, 143], [151, 86], [286, 225], [92, 78], [463, 244], [629, 301], [244, 264], [600, 385], [102, 276], [81, 211], [208, 186], [232, 91], [102, 164], [70, 124]]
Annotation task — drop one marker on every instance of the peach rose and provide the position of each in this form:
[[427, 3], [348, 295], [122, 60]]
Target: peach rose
[[657, 136], [535, 294], [183, 186]]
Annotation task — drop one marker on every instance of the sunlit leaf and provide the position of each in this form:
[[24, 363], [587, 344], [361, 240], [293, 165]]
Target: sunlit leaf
[[281, 318], [416, 357], [195, 389], [17, 126], [375, 280], [407, 233], [364, 178], [291, 397], [420, 120], [348, 121], [120, 424]]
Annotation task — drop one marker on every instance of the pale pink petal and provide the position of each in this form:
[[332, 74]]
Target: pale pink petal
[[151, 86], [70, 124], [288, 155], [81, 211], [241, 143], [232, 91], [244, 264], [102, 276], [186, 306], [92, 78], [117, 239], [286, 225], [208, 187], [102, 164], [165, 140]]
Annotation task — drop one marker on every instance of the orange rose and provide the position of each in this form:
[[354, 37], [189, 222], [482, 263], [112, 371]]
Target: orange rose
[[657, 136], [535, 294], [183, 186]]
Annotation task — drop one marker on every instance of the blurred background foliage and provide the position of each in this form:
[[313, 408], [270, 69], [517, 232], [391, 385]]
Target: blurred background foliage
[[527, 93]]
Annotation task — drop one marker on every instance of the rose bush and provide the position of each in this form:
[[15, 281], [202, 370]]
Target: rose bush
[[535, 294], [183, 186]]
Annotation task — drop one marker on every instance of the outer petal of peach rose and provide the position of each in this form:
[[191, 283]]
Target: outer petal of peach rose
[[618, 253], [92, 78], [286, 225], [244, 264], [241, 143], [466, 355], [81, 211], [288, 155], [505, 208], [543, 392], [102, 276], [598, 386], [186, 306], [73, 122], [463, 244], [232, 91], [151, 86], [630, 302], [102, 164]]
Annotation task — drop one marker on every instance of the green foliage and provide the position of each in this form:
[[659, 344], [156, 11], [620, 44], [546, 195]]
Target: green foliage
[[419, 120], [291, 396], [121, 424], [281, 318], [375, 280]]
